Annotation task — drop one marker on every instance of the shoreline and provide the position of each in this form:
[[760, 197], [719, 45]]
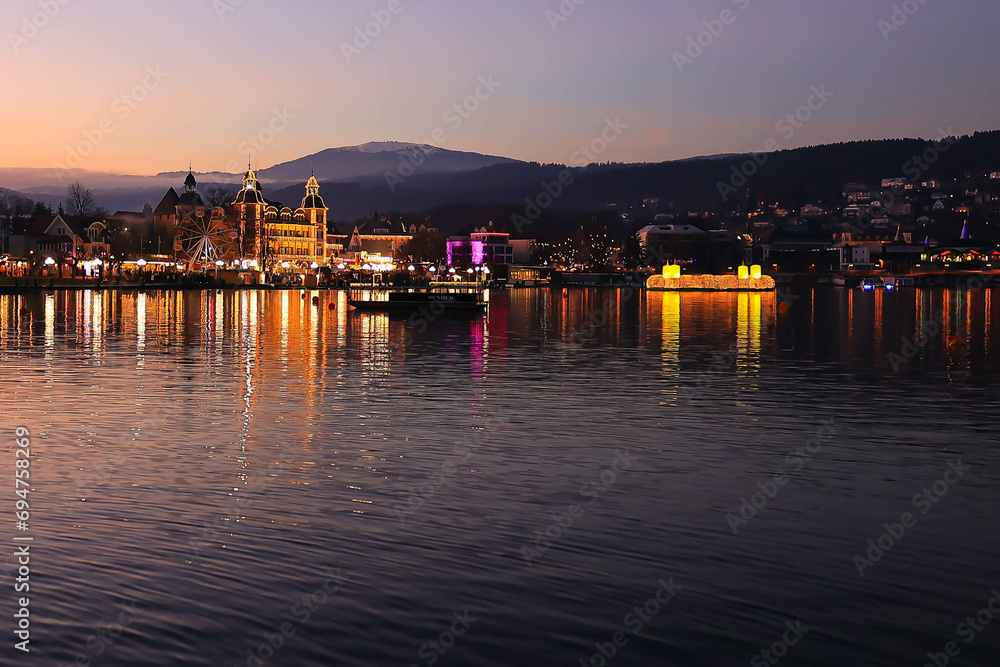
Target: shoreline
[[25, 286]]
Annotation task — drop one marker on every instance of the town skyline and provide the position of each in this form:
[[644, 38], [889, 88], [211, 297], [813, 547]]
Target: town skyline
[[688, 80]]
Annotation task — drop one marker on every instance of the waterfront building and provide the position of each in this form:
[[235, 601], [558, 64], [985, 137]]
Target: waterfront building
[[252, 231], [378, 247], [698, 250], [63, 237], [275, 236], [480, 248]]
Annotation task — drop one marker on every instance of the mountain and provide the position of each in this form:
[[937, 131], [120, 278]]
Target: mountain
[[793, 177], [372, 161], [354, 183], [17, 196], [366, 163]]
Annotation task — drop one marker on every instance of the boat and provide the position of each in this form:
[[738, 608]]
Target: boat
[[432, 302], [872, 284]]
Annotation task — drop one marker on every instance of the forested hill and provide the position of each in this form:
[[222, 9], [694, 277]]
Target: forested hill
[[792, 177]]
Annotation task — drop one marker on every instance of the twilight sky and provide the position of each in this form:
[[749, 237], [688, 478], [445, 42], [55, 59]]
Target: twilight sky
[[79, 90]]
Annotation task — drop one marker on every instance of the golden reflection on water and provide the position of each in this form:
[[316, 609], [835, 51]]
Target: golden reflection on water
[[285, 361], [301, 334], [729, 326]]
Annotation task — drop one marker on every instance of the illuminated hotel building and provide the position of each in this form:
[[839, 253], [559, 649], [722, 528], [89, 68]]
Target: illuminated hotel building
[[262, 233], [274, 236]]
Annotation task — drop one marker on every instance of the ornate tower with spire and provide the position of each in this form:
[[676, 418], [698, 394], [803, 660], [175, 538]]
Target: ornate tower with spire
[[315, 211], [190, 184], [249, 206]]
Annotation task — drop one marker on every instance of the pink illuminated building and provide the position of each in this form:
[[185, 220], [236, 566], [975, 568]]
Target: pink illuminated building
[[481, 248]]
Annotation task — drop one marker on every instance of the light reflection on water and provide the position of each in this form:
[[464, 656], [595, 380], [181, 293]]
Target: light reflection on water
[[210, 454]]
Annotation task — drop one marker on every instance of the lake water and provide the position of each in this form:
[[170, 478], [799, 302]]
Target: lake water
[[695, 477]]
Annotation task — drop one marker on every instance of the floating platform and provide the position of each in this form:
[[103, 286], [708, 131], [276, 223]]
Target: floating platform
[[710, 284]]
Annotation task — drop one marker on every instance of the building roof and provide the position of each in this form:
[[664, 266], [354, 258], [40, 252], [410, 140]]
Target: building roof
[[800, 235], [313, 201], [191, 200], [167, 205], [250, 195], [251, 192], [122, 215], [40, 224], [78, 224], [671, 229], [312, 198]]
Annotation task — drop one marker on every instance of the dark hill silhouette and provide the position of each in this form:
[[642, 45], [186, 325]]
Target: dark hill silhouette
[[793, 177], [373, 160]]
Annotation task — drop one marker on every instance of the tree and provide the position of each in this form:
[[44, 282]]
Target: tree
[[220, 197], [16, 212], [423, 247], [80, 200]]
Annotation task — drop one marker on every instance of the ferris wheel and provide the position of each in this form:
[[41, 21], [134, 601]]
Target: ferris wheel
[[204, 239]]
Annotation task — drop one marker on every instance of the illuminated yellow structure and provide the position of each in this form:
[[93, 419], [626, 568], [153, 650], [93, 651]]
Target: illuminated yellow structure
[[747, 279], [672, 271]]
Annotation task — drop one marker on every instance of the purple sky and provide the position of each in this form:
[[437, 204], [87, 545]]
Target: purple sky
[[226, 70]]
